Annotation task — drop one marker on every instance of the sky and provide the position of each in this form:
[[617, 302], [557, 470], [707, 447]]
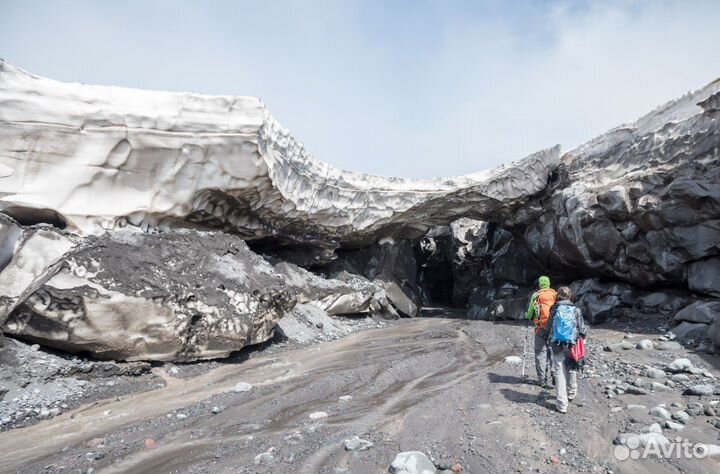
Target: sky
[[418, 88]]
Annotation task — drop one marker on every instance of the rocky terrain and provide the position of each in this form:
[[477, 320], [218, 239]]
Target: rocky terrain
[[446, 387], [183, 288]]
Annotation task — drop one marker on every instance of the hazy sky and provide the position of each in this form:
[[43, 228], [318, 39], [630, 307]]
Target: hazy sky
[[405, 88]]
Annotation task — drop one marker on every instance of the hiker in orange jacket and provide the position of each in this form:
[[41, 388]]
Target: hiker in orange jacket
[[539, 312]]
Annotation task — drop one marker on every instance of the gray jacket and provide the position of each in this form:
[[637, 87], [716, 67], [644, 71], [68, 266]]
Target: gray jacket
[[581, 326]]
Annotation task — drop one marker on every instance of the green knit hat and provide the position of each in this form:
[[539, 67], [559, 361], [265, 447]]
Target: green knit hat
[[544, 282]]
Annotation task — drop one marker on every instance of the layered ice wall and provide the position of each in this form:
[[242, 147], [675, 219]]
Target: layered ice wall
[[96, 158]]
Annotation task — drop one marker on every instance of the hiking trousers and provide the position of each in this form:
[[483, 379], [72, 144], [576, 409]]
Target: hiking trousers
[[543, 357], [565, 379]]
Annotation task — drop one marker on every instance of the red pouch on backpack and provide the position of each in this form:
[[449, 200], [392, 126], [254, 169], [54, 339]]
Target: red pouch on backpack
[[577, 351]]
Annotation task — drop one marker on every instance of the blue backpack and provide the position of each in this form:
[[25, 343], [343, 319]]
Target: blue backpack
[[564, 328]]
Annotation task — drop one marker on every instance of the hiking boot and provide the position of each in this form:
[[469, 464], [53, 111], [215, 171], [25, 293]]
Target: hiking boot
[[562, 410], [571, 396]]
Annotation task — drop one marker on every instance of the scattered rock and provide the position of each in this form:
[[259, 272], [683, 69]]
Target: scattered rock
[[513, 360], [317, 415], [265, 458], [660, 412], [681, 417], [680, 365], [242, 387], [357, 444], [345, 398], [637, 407], [645, 344], [655, 373], [671, 425], [658, 387], [654, 428], [411, 462], [703, 390], [634, 390], [150, 443], [669, 346], [653, 438]]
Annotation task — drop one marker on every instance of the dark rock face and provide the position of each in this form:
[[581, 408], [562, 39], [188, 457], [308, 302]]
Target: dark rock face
[[704, 275], [180, 296], [640, 204], [490, 270], [391, 265], [600, 301], [638, 207]]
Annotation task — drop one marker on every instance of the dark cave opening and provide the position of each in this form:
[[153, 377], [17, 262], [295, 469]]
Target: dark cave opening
[[27, 216], [435, 273]]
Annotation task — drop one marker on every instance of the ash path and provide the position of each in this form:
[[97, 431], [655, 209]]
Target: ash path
[[436, 385]]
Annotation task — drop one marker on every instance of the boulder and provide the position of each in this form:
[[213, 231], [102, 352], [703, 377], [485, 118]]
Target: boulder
[[344, 294], [660, 412], [669, 346], [680, 365], [412, 462], [643, 439], [714, 332], [389, 265], [704, 276], [686, 330], [699, 312], [681, 417], [357, 444], [175, 296], [701, 390], [645, 345], [655, 373], [307, 323], [671, 425], [33, 251], [658, 439]]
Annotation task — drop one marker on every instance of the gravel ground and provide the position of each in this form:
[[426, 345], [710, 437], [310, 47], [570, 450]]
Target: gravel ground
[[435, 385]]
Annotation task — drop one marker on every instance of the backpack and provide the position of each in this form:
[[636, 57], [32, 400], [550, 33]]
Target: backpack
[[564, 328], [544, 301], [577, 355]]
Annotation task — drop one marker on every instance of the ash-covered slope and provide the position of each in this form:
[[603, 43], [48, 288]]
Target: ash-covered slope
[[99, 158]]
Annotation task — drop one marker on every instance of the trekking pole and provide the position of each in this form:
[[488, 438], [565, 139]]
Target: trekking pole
[[582, 383], [525, 344]]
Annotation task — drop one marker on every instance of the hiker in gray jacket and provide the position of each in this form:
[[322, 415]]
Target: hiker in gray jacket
[[565, 326]]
